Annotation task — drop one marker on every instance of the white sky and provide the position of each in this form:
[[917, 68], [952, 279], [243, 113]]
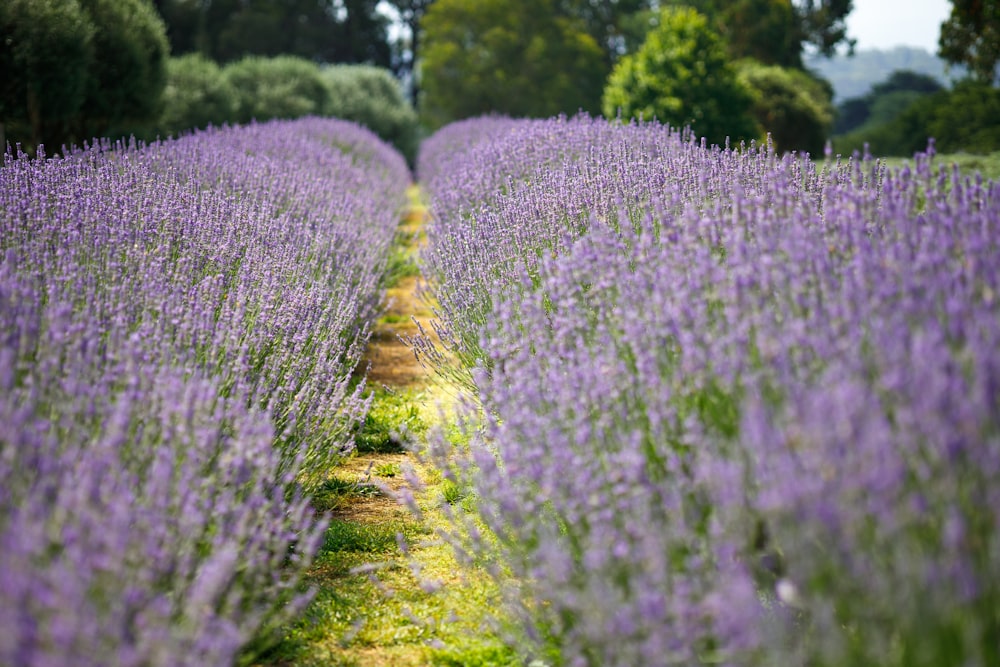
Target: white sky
[[883, 24]]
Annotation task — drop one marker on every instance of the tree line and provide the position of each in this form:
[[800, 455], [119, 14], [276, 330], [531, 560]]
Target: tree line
[[76, 69]]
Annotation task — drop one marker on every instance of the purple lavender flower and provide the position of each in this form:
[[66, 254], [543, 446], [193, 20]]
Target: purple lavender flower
[[737, 407], [178, 327]]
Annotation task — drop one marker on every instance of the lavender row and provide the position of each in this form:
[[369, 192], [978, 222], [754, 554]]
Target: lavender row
[[561, 176], [178, 324], [740, 409]]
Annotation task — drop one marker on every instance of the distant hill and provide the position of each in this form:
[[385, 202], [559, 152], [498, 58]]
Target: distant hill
[[853, 76]]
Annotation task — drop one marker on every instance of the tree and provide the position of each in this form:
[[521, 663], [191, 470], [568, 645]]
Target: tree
[[777, 32], [822, 24], [885, 100], [411, 12], [961, 119], [320, 30], [128, 73], [45, 54], [971, 37], [682, 76], [792, 105], [516, 57], [78, 69], [610, 22]]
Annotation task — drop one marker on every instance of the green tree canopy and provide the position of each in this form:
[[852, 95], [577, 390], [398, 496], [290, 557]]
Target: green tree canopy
[[129, 71], [961, 119], [776, 32], [331, 31], [682, 76], [971, 37], [78, 69], [612, 23], [45, 54], [794, 106], [517, 57], [885, 100]]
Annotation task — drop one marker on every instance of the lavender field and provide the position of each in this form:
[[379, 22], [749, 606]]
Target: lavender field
[[725, 407], [179, 324], [732, 407]]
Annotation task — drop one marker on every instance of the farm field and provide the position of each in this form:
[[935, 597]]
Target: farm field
[[594, 394]]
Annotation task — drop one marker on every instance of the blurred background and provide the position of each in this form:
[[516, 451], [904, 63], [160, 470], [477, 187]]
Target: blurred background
[[808, 74]]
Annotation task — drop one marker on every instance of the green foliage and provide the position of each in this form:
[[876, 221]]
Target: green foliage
[[962, 119], [971, 37], [371, 538], [765, 30], [387, 470], [281, 87], [886, 107], [128, 74], [337, 492], [402, 264], [794, 106], [906, 80], [197, 95], [391, 424], [322, 31], [986, 165], [473, 652], [886, 100], [44, 56], [682, 75], [775, 32], [372, 96], [515, 57], [613, 25], [75, 69], [452, 492]]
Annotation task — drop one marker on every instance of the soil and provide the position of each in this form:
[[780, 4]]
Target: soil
[[392, 362]]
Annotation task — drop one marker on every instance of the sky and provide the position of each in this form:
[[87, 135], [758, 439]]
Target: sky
[[884, 24]]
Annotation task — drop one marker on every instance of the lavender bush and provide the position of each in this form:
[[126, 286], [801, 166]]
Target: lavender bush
[[178, 323], [738, 409]]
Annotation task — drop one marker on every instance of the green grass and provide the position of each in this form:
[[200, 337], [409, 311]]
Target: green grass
[[402, 263], [392, 423], [394, 318], [336, 492], [988, 165], [371, 538], [389, 593]]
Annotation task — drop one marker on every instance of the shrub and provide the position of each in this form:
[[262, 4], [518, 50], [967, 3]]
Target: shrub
[[280, 87], [792, 105], [373, 97], [127, 77], [197, 95]]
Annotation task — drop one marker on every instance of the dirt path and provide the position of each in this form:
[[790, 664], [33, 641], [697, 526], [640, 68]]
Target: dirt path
[[393, 363], [390, 592]]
